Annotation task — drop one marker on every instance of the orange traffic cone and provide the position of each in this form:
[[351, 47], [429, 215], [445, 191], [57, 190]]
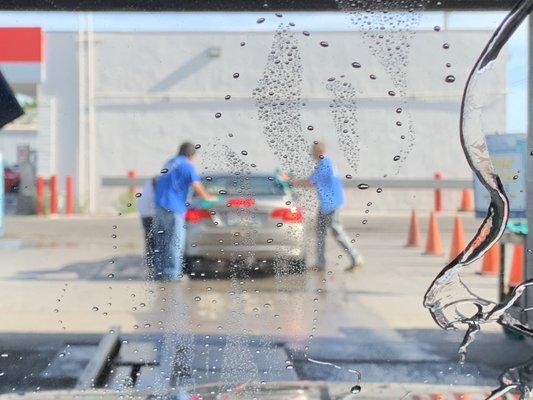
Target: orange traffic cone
[[467, 200], [413, 238], [517, 266], [491, 261], [458, 238], [433, 244]]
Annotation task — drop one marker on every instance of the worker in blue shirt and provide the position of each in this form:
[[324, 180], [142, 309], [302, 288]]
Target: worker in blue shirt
[[171, 193], [328, 185]]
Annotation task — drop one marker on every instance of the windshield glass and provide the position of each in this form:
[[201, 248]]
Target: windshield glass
[[322, 200]]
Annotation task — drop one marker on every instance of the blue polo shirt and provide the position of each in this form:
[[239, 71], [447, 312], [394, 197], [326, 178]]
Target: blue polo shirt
[[328, 185], [172, 188]]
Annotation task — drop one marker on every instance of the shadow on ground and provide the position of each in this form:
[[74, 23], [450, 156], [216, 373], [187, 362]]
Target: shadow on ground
[[125, 268], [27, 356]]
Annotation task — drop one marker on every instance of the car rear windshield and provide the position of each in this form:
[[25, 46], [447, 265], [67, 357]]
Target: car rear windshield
[[243, 186]]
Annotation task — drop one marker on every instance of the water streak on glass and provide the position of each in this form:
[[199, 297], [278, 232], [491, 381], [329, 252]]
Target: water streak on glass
[[388, 28], [451, 303]]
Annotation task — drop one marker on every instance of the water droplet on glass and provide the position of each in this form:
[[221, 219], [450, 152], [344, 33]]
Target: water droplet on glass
[[448, 65], [260, 20], [399, 110], [392, 93], [446, 46], [356, 65], [218, 115], [396, 158], [348, 176], [244, 153], [324, 44], [227, 97], [94, 308], [436, 28], [164, 170], [372, 76], [236, 75], [197, 298], [355, 389], [242, 44], [363, 186], [310, 128], [450, 79], [305, 33]]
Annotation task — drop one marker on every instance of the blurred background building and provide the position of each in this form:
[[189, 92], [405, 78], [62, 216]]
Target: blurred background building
[[101, 102]]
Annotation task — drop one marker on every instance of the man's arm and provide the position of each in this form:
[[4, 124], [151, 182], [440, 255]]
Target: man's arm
[[200, 191], [301, 182], [295, 181]]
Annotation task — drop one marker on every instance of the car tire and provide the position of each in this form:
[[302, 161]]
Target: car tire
[[298, 266], [187, 265]]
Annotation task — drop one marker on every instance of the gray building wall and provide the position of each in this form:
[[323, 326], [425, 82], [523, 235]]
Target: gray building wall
[[150, 91]]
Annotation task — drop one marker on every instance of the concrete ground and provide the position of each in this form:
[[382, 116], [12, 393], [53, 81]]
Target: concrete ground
[[68, 280]]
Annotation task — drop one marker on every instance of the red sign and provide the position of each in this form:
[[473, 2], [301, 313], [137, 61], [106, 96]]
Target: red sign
[[21, 45]]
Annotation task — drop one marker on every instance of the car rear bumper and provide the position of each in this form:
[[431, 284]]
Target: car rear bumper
[[243, 243], [241, 252]]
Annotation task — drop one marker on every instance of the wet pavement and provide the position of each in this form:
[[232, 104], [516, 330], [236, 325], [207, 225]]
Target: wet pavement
[[72, 280]]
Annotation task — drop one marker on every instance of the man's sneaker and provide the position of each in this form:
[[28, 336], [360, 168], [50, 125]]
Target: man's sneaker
[[359, 262]]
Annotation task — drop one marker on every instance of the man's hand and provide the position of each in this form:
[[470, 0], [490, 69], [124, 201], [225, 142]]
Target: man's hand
[[204, 194]]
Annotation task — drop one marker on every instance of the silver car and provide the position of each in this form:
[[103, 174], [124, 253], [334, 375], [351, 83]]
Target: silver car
[[254, 225]]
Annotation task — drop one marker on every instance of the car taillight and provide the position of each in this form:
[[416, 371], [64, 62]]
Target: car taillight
[[195, 215], [287, 214], [241, 202]]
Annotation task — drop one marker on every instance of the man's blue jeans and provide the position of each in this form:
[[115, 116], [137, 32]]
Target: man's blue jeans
[[331, 221], [169, 235]]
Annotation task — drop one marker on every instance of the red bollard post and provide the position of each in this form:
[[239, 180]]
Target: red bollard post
[[438, 193], [53, 194], [69, 186], [39, 195], [132, 174]]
